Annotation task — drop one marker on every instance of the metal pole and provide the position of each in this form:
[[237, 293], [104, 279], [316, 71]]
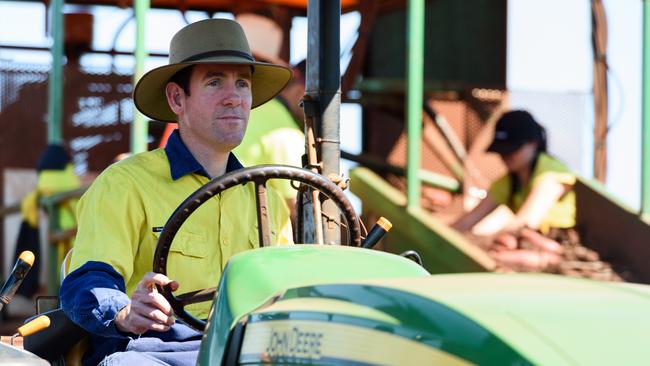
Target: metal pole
[[55, 125], [55, 85], [645, 134], [139, 127], [323, 84], [414, 73]]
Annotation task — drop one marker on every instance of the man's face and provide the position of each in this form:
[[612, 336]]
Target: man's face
[[215, 112]]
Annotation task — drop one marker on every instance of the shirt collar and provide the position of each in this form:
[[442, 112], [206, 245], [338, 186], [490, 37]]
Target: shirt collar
[[182, 162]]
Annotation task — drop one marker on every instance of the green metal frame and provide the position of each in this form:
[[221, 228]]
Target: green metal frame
[[55, 85], [443, 250], [139, 127], [645, 130], [415, 75]]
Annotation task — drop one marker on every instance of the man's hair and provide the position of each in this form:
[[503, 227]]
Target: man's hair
[[182, 78], [302, 67]]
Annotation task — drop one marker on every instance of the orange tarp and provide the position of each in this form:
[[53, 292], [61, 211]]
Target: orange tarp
[[212, 5]]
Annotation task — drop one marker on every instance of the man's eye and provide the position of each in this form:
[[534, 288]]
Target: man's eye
[[214, 82], [243, 83]]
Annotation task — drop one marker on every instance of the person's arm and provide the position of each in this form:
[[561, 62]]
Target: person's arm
[[110, 217], [468, 220], [92, 295], [546, 191]]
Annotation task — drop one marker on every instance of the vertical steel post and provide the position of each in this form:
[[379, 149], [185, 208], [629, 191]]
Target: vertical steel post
[[55, 122], [323, 84], [55, 85], [645, 128], [414, 73], [139, 127]]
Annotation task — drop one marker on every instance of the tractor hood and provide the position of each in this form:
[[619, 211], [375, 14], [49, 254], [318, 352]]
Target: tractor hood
[[473, 318], [349, 301]]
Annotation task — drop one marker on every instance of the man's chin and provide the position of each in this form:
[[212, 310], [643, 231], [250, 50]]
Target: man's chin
[[231, 143]]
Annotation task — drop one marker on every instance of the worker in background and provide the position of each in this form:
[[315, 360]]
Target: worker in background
[[55, 175], [537, 188]]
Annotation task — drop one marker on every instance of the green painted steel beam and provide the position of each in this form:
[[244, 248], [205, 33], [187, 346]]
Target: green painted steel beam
[[440, 181], [645, 134], [55, 85], [55, 121], [414, 74], [429, 178], [443, 250], [139, 127], [380, 85]]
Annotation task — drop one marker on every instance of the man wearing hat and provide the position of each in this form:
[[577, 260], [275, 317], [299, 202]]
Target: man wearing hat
[[209, 87]]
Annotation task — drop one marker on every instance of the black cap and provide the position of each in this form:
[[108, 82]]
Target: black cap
[[53, 158], [514, 129]]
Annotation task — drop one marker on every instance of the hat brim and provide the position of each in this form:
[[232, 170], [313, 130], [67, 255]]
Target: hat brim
[[149, 97], [503, 147]]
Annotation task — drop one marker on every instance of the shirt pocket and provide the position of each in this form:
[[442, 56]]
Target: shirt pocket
[[190, 245]]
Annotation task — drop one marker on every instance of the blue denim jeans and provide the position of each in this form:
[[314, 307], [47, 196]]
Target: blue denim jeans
[[153, 351]]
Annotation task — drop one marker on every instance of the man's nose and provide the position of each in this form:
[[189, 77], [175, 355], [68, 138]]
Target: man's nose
[[232, 97]]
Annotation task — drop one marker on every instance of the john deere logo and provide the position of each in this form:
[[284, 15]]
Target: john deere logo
[[294, 344]]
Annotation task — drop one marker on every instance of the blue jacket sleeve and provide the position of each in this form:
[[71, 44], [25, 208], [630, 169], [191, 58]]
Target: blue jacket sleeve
[[92, 295]]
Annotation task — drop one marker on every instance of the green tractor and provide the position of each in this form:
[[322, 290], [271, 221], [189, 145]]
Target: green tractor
[[315, 304], [348, 305]]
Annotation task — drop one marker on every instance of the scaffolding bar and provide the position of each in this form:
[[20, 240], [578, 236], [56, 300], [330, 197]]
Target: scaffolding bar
[[55, 85], [139, 127], [415, 73], [645, 135]]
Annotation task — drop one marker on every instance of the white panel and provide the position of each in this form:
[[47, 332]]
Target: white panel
[[549, 45]]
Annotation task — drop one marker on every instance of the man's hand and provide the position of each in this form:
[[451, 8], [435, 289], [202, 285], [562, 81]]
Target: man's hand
[[148, 310]]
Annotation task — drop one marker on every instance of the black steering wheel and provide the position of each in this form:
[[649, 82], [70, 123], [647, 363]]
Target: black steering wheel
[[258, 175]]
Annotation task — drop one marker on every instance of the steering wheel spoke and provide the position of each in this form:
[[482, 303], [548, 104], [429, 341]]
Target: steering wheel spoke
[[263, 229], [194, 297]]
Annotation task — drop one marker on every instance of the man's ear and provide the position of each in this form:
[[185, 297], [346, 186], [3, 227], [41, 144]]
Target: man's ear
[[174, 94]]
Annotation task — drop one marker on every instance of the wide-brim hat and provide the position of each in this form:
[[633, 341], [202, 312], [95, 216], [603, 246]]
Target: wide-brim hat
[[210, 41]]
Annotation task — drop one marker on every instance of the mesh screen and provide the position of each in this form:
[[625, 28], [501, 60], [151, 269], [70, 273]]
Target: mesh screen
[[467, 115], [97, 112]]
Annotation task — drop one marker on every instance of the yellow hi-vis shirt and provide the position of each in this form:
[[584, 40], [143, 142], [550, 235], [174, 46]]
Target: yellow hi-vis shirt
[[562, 214], [121, 215]]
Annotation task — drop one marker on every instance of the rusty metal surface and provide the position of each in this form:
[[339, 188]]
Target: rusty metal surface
[[384, 137], [97, 114], [618, 235]]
